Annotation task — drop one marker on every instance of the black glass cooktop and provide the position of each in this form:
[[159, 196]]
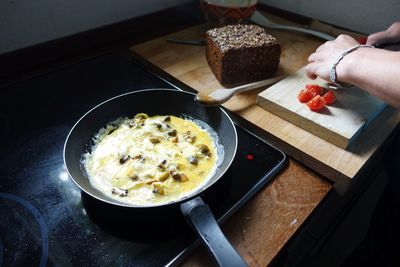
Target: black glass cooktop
[[44, 218]]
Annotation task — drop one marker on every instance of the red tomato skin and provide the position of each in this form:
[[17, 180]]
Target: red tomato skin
[[305, 95], [315, 89], [316, 104], [329, 97], [362, 40]]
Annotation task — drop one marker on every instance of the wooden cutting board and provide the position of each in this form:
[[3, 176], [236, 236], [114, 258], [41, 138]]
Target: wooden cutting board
[[339, 123]]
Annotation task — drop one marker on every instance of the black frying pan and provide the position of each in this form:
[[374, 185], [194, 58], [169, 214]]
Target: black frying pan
[[160, 102]]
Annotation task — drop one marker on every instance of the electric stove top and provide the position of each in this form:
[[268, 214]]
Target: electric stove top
[[46, 221]]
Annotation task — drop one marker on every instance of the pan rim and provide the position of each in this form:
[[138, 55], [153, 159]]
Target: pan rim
[[186, 198]]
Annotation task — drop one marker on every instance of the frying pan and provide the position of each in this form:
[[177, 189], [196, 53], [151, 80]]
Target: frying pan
[[160, 102]]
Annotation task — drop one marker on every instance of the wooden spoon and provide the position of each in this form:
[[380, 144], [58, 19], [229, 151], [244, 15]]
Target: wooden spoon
[[219, 96]]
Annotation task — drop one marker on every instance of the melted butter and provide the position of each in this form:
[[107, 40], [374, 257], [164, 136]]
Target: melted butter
[[135, 164]]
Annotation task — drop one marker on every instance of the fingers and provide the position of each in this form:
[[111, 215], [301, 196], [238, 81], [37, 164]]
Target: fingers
[[312, 57], [320, 62], [311, 72], [390, 36], [380, 38]]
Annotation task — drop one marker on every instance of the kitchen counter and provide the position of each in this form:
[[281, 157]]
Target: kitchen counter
[[309, 197], [265, 225]]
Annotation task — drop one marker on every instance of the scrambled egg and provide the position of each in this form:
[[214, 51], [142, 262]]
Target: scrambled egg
[[151, 160]]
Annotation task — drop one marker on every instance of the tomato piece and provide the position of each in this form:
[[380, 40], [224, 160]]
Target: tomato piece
[[329, 97], [305, 95], [317, 103], [362, 40], [315, 89]]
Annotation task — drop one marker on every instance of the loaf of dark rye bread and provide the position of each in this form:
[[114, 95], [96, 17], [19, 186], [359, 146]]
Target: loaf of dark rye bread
[[242, 53]]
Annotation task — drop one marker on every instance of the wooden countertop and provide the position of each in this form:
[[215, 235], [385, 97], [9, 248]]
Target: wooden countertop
[[187, 64], [264, 225]]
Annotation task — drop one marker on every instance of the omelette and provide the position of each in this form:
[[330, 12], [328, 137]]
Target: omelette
[[152, 160]]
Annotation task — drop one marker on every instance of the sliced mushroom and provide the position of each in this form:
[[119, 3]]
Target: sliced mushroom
[[205, 150], [134, 177], [112, 129], [189, 137], [120, 192], [158, 125], [180, 177], [162, 165], [193, 160], [154, 140], [172, 133], [163, 176], [158, 188], [140, 116], [132, 174], [132, 124], [124, 159], [137, 156], [139, 119]]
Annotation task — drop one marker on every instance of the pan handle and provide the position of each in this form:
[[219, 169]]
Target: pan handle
[[198, 214]]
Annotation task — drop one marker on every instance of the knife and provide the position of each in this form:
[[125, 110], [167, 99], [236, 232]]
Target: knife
[[262, 20]]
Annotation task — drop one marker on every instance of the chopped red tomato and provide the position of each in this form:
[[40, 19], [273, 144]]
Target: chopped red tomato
[[315, 98], [305, 95], [362, 40], [316, 104], [315, 89], [329, 97]]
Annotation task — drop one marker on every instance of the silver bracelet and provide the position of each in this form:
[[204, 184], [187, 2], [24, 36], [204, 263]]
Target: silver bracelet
[[333, 74]]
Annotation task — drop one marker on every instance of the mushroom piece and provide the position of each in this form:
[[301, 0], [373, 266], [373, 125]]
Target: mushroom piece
[[162, 165], [154, 140], [111, 129], [124, 159], [163, 176], [205, 150], [172, 133], [180, 177], [193, 160], [137, 156], [120, 192], [132, 124], [134, 177], [140, 118], [132, 174], [189, 137], [158, 125], [158, 188]]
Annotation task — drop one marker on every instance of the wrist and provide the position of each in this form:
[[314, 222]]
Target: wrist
[[340, 74], [345, 68]]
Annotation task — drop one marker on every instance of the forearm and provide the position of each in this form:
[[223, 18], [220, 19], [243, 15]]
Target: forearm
[[377, 71]]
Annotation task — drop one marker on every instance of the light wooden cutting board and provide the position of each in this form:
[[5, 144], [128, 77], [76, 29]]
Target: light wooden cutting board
[[339, 123]]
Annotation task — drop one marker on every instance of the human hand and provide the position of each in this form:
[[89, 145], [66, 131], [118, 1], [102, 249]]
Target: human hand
[[389, 38], [320, 62]]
